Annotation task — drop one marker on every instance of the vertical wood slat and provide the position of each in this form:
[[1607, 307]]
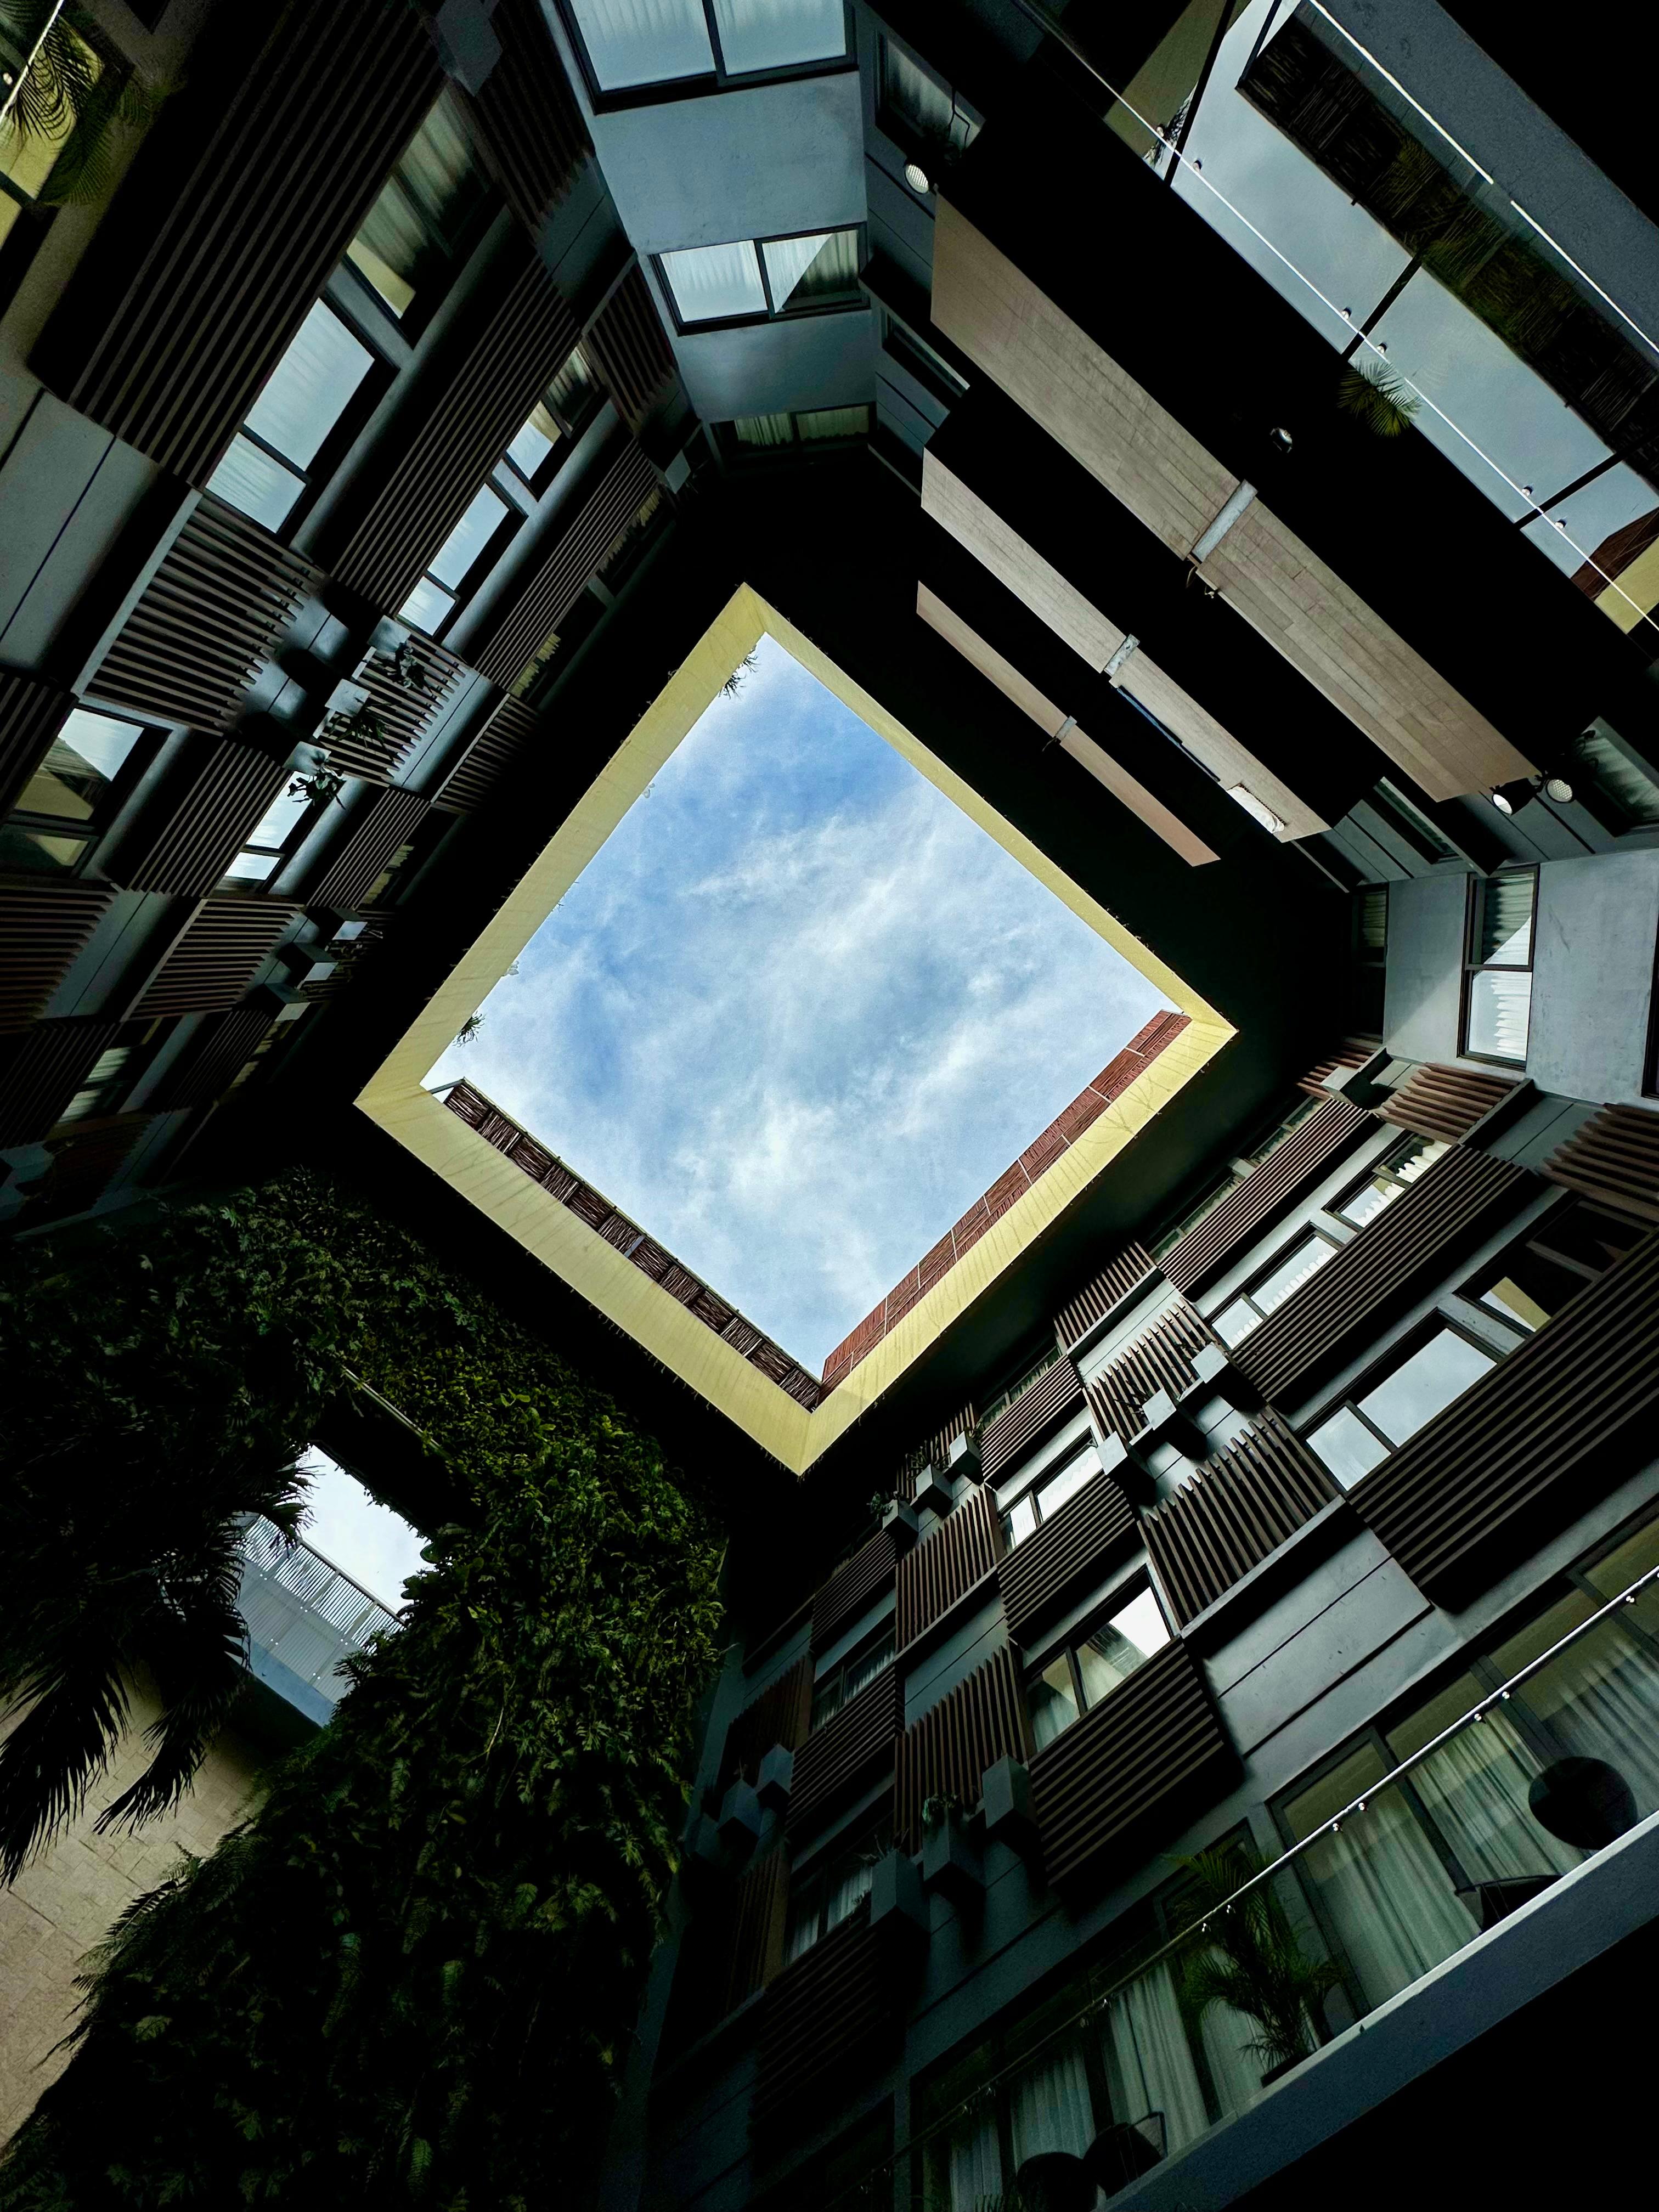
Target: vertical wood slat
[[216, 1055], [779, 1715], [1040, 1408], [1160, 1358], [1265, 1192], [219, 955], [934, 1453], [1122, 1275], [1612, 1158], [628, 345], [1236, 1511], [946, 1564], [563, 571], [31, 715], [479, 408], [854, 1589], [40, 1070], [529, 128], [205, 622], [1445, 1103], [186, 848], [490, 758], [827, 2018], [734, 1947], [194, 288], [947, 1751], [838, 1757], [44, 925], [1065, 1552], [386, 824]]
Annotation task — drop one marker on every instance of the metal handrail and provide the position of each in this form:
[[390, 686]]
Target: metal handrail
[[1099, 2004]]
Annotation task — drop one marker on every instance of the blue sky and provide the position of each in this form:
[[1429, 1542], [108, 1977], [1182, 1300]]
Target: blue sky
[[800, 1011]]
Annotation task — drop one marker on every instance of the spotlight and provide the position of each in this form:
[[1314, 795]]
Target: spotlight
[[1557, 788], [916, 177]]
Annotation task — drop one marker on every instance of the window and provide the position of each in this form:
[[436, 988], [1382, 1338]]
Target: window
[[1368, 974], [1018, 1389], [841, 1683], [1411, 825], [1273, 1285], [1047, 1496], [424, 216], [270, 845], [469, 549], [933, 374], [919, 112], [74, 793], [1083, 1672], [1531, 1283], [1498, 985], [627, 547], [630, 43], [573, 399], [29, 159], [822, 1901], [303, 405], [578, 624], [1620, 787], [749, 435], [1386, 1179], [752, 280], [1390, 1407], [114, 1072]]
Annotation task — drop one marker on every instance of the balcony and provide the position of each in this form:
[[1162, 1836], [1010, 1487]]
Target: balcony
[[304, 1619]]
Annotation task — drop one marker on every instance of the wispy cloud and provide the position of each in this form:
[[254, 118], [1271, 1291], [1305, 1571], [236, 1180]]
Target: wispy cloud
[[800, 1011]]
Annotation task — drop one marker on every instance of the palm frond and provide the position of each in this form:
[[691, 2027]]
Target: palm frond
[[76, 1713], [197, 1655], [1382, 402]]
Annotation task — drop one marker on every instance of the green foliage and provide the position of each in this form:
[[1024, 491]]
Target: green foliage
[[1243, 1953], [1382, 402], [412, 1976], [78, 92]]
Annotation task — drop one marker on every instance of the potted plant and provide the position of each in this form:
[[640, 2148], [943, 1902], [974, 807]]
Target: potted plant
[[1243, 1953], [949, 1863]]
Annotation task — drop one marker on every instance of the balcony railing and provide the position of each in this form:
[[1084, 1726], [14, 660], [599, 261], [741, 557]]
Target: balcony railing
[[303, 1611]]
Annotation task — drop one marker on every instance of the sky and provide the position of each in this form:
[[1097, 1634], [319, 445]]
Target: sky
[[800, 1011], [375, 1546]]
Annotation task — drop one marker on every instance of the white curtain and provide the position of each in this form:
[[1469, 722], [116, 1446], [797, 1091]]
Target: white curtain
[[1475, 1790], [1149, 2063], [645, 41], [1601, 1698], [1234, 2071], [764, 34], [1388, 1897], [967, 2166], [1050, 2109]]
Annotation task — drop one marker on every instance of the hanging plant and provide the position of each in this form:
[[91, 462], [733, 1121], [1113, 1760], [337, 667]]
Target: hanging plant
[[74, 92], [1382, 402]]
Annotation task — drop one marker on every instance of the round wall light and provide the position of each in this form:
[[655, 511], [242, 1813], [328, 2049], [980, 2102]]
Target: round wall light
[[916, 177]]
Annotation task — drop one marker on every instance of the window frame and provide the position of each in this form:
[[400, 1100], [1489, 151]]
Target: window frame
[[142, 1048], [869, 1844], [461, 595], [1474, 965], [1134, 1587], [1030, 1482], [540, 480], [93, 829], [1384, 1164], [858, 304], [736, 454], [884, 1631], [1389, 1361], [1306, 1232], [898, 128], [705, 81], [1536, 1238], [304, 822], [359, 289]]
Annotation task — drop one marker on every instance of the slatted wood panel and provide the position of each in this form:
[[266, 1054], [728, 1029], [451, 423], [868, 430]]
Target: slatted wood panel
[[207, 815], [1040, 1408], [84, 1165], [31, 715], [1235, 1512], [218, 956], [206, 622], [404, 717], [1265, 1194], [40, 1070], [779, 1715], [491, 757], [43, 926], [1612, 1158], [1160, 1358], [1133, 1762], [854, 1589], [946, 1564], [380, 830], [847, 1752], [220, 1047], [1446, 1101], [935, 1452], [193, 291], [1463, 1198], [1531, 1443], [946, 1752], [1122, 1275], [529, 129], [732, 1947], [1063, 1554], [628, 345], [827, 2019], [1353, 1052], [562, 573], [514, 352]]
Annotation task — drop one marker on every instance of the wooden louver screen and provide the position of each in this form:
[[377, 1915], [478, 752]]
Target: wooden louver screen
[[41, 1070], [946, 1563], [827, 2015], [562, 574], [482, 403], [1530, 1442], [1353, 1052], [1133, 1266], [1444, 1102], [1612, 1158], [629, 349], [1235, 1512], [490, 758], [31, 715], [947, 1752], [1040, 1408], [381, 830], [779, 1715], [1129, 1761], [1461, 1199], [406, 716], [1161, 1359], [529, 129], [194, 288], [1069, 1549], [732, 1948], [934, 1453], [206, 824], [853, 1588], [43, 926], [219, 955], [1264, 1194], [846, 1752], [220, 1047], [205, 622]]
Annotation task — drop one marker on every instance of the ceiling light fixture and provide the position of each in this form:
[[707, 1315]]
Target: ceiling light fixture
[[1511, 798], [1244, 796], [916, 177]]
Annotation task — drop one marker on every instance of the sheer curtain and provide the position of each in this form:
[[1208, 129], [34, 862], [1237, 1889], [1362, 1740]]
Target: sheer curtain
[[1050, 2109], [1149, 2063], [1234, 2071], [1600, 1698], [764, 34], [967, 2167], [1390, 1898], [1475, 1790]]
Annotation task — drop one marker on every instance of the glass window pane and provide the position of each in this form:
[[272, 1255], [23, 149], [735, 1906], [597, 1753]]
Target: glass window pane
[[1436, 1372], [1303, 1259], [1504, 929], [763, 431], [1475, 1789], [283, 819], [467, 540], [85, 757], [1054, 1493], [251, 868], [820, 422], [769, 34], [1600, 1698], [803, 271], [255, 481], [1020, 1520], [37, 850], [644, 41], [1112, 1654], [103, 1085], [1235, 1321], [1388, 1897], [912, 96], [310, 386], [1530, 1290], [1500, 1012], [1620, 777], [426, 605], [826, 1700], [1347, 1446], [1052, 1702], [1634, 1557], [422, 211], [709, 282], [573, 391], [1365, 1203], [534, 442], [1415, 1157]]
